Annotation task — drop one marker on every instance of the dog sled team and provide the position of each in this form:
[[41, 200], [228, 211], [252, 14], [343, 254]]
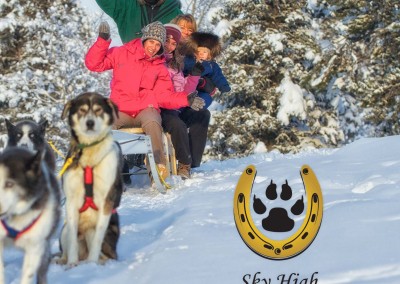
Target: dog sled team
[[164, 77]]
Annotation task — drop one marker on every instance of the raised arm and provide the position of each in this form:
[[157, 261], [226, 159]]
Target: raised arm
[[99, 57]]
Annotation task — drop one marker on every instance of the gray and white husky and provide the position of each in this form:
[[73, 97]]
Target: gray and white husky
[[31, 135], [29, 210]]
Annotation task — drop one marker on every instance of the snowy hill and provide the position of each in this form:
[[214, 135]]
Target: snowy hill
[[189, 234]]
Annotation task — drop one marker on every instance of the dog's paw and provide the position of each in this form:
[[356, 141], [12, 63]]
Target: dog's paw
[[103, 260], [57, 259], [278, 219], [71, 265]]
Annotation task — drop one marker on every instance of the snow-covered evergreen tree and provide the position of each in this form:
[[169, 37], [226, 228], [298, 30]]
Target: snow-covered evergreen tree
[[42, 49], [270, 51], [370, 43], [306, 73], [303, 73]]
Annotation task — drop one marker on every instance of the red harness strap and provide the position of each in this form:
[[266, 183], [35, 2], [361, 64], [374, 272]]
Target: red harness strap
[[88, 180]]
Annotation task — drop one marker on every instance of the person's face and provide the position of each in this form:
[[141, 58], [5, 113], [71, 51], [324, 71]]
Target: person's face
[[151, 47], [170, 45], [203, 53], [186, 28]]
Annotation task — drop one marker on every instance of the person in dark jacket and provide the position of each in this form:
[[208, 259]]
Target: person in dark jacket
[[132, 15], [206, 47]]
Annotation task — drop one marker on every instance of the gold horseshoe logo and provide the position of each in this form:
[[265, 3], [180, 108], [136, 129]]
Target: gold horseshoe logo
[[278, 249]]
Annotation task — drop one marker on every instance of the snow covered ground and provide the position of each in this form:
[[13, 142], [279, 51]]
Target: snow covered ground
[[189, 234]]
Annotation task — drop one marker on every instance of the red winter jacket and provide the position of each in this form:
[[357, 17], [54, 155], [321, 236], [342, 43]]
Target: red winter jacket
[[138, 81]]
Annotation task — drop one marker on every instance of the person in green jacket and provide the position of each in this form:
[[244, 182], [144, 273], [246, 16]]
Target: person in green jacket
[[132, 15]]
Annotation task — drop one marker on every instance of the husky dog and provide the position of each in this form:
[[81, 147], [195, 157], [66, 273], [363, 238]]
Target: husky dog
[[92, 183], [30, 134], [29, 210]]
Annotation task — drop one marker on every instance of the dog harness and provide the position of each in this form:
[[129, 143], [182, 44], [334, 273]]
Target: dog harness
[[88, 181], [15, 234], [75, 155]]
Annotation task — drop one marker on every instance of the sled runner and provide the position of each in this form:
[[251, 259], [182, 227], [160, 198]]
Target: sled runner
[[134, 141]]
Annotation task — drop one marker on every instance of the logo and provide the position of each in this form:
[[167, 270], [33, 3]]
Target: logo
[[277, 219]]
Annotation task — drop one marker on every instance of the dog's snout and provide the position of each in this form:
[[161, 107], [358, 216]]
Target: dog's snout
[[90, 124], [24, 145]]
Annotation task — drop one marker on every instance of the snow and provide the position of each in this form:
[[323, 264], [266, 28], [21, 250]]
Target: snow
[[189, 236], [276, 41], [291, 101], [6, 25], [260, 148], [312, 4]]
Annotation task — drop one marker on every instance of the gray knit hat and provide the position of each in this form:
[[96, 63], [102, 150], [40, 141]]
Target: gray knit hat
[[155, 31]]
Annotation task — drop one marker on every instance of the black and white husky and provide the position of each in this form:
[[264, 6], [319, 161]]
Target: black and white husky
[[29, 210], [29, 134], [92, 183]]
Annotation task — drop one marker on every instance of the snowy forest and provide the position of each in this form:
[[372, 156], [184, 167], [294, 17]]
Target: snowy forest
[[303, 73]]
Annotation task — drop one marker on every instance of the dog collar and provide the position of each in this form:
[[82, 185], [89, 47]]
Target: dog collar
[[15, 234], [83, 145]]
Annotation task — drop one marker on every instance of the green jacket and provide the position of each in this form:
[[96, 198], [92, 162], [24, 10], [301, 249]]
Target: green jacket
[[131, 15]]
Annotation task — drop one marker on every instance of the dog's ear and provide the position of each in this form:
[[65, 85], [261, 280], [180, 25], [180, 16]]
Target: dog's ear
[[66, 109], [9, 125], [114, 108], [43, 125]]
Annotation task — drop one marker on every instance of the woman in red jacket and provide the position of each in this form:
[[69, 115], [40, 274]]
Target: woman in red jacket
[[141, 84]]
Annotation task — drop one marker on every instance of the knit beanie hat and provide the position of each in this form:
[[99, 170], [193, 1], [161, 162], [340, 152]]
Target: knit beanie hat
[[155, 31], [173, 31]]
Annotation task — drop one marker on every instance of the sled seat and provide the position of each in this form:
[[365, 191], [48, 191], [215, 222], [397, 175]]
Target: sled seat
[[134, 141], [169, 150]]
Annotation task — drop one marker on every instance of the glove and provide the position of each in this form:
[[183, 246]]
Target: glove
[[104, 31], [206, 85], [195, 102], [197, 69]]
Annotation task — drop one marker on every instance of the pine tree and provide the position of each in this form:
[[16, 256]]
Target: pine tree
[[267, 45], [43, 44], [342, 54], [374, 38]]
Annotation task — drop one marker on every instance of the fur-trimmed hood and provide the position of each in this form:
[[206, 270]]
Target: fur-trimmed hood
[[208, 40]]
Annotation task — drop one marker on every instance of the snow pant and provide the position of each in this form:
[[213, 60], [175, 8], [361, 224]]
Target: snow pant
[[178, 130], [150, 120], [188, 129]]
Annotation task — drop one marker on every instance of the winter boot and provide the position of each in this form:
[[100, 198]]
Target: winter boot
[[183, 170], [163, 171]]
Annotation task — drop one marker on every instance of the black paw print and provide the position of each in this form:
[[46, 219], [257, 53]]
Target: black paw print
[[278, 219]]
